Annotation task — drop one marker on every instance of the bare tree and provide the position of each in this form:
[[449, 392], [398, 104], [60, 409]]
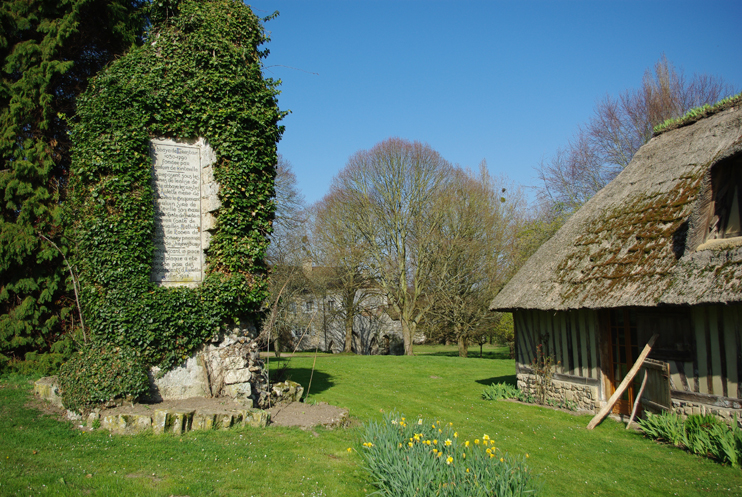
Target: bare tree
[[605, 145], [286, 256], [476, 238], [342, 250], [387, 196]]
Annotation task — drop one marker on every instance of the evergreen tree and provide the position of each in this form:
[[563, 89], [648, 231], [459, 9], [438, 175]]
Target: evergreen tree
[[48, 51]]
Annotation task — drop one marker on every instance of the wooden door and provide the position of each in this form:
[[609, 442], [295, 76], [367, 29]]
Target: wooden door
[[624, 349]]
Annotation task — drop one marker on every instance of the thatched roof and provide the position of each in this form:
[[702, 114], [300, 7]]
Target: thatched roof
[[636, 242]]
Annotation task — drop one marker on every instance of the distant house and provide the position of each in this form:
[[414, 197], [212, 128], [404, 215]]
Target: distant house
[[658, 250], [317, 317]]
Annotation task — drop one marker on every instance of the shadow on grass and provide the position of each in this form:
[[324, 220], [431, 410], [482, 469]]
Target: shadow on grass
[[509, 379], [321, 381], [473, 354]]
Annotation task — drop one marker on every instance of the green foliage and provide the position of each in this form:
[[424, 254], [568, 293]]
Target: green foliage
[[666, 426], [199, 74], [421, 458], [99, 374], [697, 113], [704, 435], [498, 391], [48, 50]]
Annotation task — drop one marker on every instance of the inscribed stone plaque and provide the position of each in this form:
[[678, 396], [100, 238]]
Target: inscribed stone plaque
[[176, 181]]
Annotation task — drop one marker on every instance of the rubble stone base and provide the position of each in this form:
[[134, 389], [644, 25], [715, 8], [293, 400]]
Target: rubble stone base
[[584, 397]]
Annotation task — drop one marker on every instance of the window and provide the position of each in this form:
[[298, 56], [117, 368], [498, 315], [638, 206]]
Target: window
[[308, 306], [726, 183], [331, 305]]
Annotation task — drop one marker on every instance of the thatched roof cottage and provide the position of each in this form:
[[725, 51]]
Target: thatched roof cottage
[[658, 250]]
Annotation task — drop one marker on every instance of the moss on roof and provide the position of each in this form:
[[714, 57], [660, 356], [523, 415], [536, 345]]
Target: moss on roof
[[634, 243], [698, 113]]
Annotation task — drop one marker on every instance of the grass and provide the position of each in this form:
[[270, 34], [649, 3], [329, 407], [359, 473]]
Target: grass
[[434, 384]]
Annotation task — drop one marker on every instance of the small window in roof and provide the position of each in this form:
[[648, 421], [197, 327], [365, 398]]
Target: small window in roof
[[726, 182]]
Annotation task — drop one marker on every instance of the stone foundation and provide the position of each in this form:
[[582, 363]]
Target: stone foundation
[[227, 367], [178, 421], [685, 408], [584, 397]]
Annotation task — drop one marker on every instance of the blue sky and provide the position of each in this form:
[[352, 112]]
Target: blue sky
[[504, 81]]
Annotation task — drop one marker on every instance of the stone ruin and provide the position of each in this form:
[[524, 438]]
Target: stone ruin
[[227, 367]]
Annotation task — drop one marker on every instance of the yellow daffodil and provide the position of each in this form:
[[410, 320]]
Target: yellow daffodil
[[435, 441], [456, 434], [484, 442], [350, 450], [476, 441], [489, 451], [448, 442], [410, 444], [486, 437], [467, 470], [440, 453], [400, 445], [450, 424], [463, 454], [449, 460], [403, 419], [440, 431], [527, 455], [502, 460], [420, 422], [466, 444]]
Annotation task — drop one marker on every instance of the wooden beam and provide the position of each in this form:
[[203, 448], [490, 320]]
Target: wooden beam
[[638, 397], [624, 384]]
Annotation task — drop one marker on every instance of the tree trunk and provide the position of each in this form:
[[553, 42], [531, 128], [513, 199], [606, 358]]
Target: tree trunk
[[348, 333], [463, 346], [408, 331]]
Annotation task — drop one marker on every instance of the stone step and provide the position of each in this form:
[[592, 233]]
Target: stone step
[[178, 421]]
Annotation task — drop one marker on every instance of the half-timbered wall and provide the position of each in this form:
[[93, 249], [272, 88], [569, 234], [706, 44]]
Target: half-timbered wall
[[701, 344], [571, 337], [716, 366]]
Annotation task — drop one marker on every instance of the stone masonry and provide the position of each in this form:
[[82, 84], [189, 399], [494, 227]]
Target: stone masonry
[[585, 397]]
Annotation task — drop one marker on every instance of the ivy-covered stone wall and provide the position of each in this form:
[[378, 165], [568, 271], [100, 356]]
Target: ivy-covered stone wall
[[197, 76]]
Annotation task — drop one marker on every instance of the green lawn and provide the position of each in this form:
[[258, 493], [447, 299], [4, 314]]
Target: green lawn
[[434, 384]]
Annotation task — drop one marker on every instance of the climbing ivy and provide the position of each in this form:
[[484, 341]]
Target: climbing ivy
[[198, 74]]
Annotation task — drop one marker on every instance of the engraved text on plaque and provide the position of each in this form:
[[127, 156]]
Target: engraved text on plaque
[[176, 181]]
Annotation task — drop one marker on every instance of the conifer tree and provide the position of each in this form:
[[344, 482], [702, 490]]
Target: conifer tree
[[48, 51]]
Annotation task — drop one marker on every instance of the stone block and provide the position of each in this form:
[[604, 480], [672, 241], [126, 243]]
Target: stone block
[[224, 421], [47, 388], [203, 421], [182, 420], [185, 381], [241, 391], [234, 362], [256, 418], [210, 204], [160, 421], [141, 422], [237, 376], [209, 222]]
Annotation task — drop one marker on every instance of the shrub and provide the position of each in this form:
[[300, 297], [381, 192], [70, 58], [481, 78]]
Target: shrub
[[704, 435], [100, 374], [498, 391], [422, 458], [544, 367], [666, 426]]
